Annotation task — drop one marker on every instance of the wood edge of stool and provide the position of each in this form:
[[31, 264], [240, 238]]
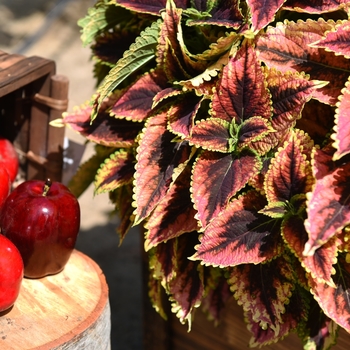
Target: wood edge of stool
[[94, 315]]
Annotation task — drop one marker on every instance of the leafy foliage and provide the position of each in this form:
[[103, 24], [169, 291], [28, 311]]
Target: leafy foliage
[[223, 128]]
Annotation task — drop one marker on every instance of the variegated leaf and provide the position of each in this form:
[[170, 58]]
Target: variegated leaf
[[222, 13], [337, 40], [136, 103], [116, 171], [341, 134], [334, 301], [153, 7], [218, 177], [213, 134], [186, 288], [263, 12], [315, 6], [264, 290], [289, 173], [320, 264], [241, 91], [328, 205], [163, 262], [217, 293], [122, 198], [286, 47], [104, 130], [240, 235], [157, 159], [253, 130], [182, 113], [141, 52], [174, 214]]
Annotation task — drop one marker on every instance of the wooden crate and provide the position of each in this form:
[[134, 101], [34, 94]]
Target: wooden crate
[[69, 310], [31, 95]]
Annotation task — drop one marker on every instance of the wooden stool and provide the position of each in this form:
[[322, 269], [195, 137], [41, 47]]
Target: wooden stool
[[67, 311]]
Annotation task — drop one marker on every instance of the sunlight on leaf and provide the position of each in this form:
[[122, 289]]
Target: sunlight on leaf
[[139, 53]]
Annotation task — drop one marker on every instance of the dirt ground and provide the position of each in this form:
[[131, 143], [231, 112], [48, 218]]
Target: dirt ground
[[48, 28]]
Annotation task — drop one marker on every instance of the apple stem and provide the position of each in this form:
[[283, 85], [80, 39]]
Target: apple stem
[[47, 187]]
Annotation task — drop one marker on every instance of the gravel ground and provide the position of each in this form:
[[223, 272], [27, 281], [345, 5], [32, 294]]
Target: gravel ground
[[48, 29]]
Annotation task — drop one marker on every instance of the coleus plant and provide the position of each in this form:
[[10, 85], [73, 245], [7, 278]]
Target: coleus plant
[[222, 126]]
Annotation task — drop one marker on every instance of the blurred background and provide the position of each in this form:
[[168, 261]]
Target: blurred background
[[48, 28]]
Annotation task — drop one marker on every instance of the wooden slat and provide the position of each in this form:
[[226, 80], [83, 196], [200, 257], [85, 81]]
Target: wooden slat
[[59, 92], [23, 72], [39, 121]]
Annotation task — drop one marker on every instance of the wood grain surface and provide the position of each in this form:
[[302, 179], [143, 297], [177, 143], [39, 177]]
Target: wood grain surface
[[69, 310]]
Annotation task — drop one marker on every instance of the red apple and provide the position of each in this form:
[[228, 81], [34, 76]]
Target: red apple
[[9, 158], [5, 185], [42, 219], [11, 273]]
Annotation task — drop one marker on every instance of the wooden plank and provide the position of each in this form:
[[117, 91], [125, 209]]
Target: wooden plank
[[54, 151], [69, 310], [39, 123], [24, 72]]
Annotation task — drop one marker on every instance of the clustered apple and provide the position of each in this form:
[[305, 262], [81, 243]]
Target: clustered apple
[[9, 158], [42, 219], [39, 222], [11, 273], [11, 262]]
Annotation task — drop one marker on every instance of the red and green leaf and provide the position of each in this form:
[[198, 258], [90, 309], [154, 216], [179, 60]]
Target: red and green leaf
[[337, 40], [252, 131], [320, 263], [182, 113], [287, 47], [213, 134], [240, 235], [163, 262], [104, 130], [217, 293], [334, 301], [289, 93], [241, 92], [122, 198], [315, 6], [341, 135], [289, 173], [171, 51], [263, 290], [328, 205], [148, 6], [222, 13], [293, 318], [319, 332], [186, 288], [174, 214], [157, 159], [116, 171], [136, 103], [141, 52], [217, 178], [263, 12]]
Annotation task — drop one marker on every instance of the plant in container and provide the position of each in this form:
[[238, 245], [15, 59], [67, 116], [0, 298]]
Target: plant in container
[[223, 128]]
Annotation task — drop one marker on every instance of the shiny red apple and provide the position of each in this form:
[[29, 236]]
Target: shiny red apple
[[5, 185], [11, 273], [9, 158], [42, 219]]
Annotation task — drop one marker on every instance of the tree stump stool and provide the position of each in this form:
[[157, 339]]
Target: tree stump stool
[[69, 310]]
